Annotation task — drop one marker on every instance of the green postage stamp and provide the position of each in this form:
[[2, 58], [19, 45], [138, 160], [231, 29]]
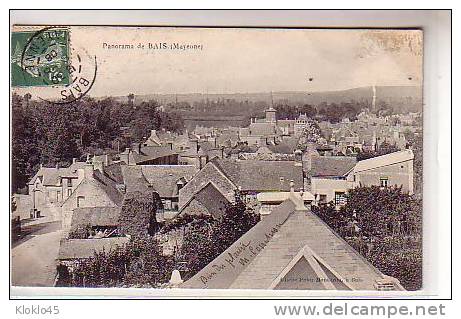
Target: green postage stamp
[[40, 57]]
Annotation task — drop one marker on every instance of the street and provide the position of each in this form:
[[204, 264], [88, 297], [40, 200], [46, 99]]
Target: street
[[33, 257]]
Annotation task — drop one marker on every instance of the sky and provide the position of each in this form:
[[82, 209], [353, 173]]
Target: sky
[[248, 60]]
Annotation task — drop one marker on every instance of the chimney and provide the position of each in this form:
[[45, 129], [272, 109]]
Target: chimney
[[57, 165], [106, 159], [298, 157], [41, 165], [99, 165], [88, 170], [297, 199], [292, 187], [74, 160], [125, 156]]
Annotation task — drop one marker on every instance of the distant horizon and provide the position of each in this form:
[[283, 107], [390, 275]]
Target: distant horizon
[[255, 92], [35, 98]]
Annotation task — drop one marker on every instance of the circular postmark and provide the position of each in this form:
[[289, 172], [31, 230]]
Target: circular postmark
[[64, 72]]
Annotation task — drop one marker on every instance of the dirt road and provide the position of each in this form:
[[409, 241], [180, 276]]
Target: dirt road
[[33, 257]]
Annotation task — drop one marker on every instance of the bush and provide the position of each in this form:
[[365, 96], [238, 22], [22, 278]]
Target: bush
[[206, 239], [383, 225]]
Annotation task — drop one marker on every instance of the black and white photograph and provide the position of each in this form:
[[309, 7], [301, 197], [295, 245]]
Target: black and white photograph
[[192, 159]]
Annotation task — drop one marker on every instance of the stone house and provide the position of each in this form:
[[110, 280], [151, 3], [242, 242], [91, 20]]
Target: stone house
[[332, 177], [247, 177], [394, 169], [166, 180], [329, 178], [50, 186], [96, 189]]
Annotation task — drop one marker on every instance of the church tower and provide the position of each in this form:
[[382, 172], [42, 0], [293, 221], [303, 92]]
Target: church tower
[[270, 115]]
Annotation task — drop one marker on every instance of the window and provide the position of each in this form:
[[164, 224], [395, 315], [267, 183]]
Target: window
[[384, 181], [69, 182], [58, 195], [80, 200], [69, 192], [340, 198]]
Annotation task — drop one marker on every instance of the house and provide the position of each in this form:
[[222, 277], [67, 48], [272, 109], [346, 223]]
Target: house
[[248, 177], [206, 201], [166, 180], [329, 177], [260, 129], [394, 169], [50, 186], [332, 176], [96, 189], [145, 154], [301, 123], [287, 126], [270, 200], [291, 248], [193, 155]]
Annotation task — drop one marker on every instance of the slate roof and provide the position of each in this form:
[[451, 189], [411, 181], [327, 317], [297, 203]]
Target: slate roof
[[109, 187], [149, 153], [85, 248], [384, 160], [286, 122], [51, 176], [272, 245], [211, 198], [95, 216], [254, 175], [331, 166], [163, 178], [286, 146], [134, 179], [114, 172], [262, 129]]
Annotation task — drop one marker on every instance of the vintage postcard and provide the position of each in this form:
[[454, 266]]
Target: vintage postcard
[[240, 159]]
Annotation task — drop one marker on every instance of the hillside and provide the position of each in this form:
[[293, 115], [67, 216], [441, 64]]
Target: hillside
[[402, 98]]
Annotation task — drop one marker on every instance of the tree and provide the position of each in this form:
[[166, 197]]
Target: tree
[[138, 214], [383, 149], [206, 239], [385, 226]]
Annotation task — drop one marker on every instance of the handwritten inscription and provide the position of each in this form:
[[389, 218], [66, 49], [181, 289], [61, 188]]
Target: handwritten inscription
[[240, 256]]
